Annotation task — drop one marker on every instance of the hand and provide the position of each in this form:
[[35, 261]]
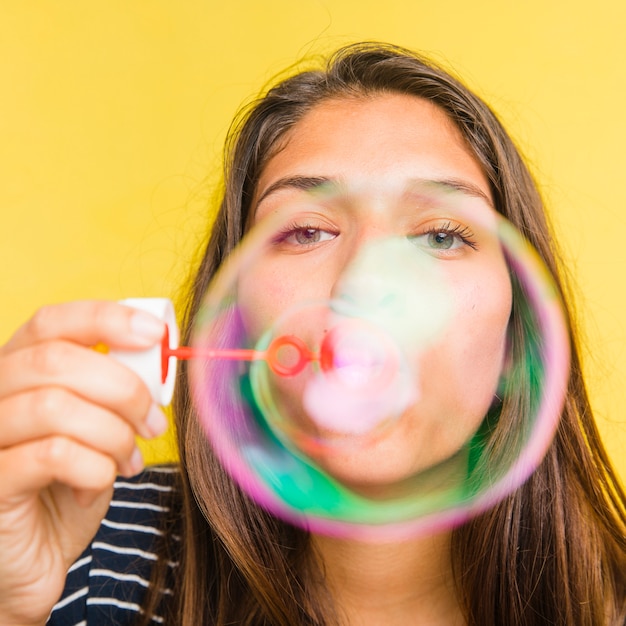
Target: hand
[[68, 420]]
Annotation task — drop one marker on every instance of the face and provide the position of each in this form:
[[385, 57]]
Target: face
[[355, 173]]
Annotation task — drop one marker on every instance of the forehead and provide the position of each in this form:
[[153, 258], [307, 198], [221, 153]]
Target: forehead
[[386, 138]]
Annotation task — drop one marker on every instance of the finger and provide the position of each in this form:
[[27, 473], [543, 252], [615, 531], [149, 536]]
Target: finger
[[90, 322], [86, 498], [30, 467], [95, 377], [55, 411]]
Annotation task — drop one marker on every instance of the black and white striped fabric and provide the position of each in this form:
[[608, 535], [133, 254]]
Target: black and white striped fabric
[[107, 584]]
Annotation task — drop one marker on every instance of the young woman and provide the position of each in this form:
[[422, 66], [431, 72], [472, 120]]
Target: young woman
[[183, 545]]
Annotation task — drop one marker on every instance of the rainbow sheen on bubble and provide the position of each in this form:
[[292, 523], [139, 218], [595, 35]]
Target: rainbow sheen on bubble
[[405, 377]]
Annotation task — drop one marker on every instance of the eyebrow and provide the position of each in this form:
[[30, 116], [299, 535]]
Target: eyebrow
[[454, 184], [303, 183], [309, 183]]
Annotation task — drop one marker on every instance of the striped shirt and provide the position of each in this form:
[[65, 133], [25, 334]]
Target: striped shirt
[[108, 582]]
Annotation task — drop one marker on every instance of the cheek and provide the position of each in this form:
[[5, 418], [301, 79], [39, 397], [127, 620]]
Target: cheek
[[262, 298], [464, 366], [483, 335], [282, 290]]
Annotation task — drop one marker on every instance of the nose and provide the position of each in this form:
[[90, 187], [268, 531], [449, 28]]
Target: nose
[[381, 273], [392, 284], [365, 272]]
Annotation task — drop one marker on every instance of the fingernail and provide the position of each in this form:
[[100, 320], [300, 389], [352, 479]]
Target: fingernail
[[146, 326], [156, 421], [136, 462]]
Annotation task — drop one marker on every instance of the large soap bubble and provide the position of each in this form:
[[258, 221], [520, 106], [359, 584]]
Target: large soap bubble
[[381, 369]]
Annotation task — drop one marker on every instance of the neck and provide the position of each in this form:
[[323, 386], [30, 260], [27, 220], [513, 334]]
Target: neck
[[408, 582]]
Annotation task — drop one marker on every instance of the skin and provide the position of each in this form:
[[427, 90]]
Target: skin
[[69, 416], [393, 140], [396, 583]]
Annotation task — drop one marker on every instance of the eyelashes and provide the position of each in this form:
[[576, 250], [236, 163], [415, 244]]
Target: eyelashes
[[443, 237], [304, 234], [448, 236]]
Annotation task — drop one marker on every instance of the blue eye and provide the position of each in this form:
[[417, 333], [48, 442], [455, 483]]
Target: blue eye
[[445, 238], [441, 240]]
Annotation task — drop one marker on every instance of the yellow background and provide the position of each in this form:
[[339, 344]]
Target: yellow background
[[113, 114]]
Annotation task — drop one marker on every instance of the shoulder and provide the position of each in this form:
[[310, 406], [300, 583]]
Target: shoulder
[[143, 498], [108, 582], [136, 512]]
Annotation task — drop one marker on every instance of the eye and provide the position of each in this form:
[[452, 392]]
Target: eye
[[304, 235], [441, 240], [446, 238]]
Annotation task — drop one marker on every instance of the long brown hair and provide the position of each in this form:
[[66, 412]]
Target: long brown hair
[[553, 552]]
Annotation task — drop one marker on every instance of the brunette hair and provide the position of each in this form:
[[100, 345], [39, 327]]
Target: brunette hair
[[553, 552]]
